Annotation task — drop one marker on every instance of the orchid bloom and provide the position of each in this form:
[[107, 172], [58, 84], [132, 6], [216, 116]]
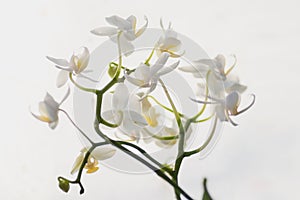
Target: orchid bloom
[[101, 153], [126, 28], [146, 76], [125, 112], [168, 42], [76, 65], [217, 79], [49, 110], [228, 107]]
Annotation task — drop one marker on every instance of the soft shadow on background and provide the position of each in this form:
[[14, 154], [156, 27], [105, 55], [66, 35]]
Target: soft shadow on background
[[257, 160]]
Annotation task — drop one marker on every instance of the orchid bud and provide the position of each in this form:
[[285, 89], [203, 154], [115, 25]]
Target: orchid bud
[[64, 184]]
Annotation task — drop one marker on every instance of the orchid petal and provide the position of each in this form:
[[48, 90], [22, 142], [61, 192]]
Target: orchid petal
[[161, 61], [113, 116], [77, 163], [135, 118], [53, 124], [62, 78], [142, 72], [126, 47], [60, 62], [81, 60], [120, 97], [118, 22], [105, 31], [168, 69], [134, 81], [50, 102], [103, 153], [143, 28], [232, 101]]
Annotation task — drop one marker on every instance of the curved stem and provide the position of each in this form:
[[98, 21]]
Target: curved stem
[[75, 125], [79, 86], [86, 157], [163, 106], [143, 161], [149, 58], [189, 153], [206, 97], [204, 120], [180, 153], [147, 156]]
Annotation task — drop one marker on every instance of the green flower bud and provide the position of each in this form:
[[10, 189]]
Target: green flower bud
[[112, 69], [64, 184]]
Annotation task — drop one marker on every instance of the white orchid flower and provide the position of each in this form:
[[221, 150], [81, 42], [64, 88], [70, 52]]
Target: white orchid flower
[[200, 67], [228, 107], [147, 77], [217, 80], [126, 28], [49, 110], [127, 116], [100, 153], [168, 42], [76, 65]]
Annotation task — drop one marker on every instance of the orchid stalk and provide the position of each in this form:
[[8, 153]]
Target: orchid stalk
[[132, 115]]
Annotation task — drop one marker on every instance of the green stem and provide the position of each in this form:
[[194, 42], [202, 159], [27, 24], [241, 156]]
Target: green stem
[[147, 156], [86, 157], [149, 58], [79, 86], [189, 153], [180, 153], [206, 97], [75, 125], [163, 106], [203, 120], [159, 172]]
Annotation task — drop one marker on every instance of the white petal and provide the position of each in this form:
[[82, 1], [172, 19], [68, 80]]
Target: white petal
[[171, 43], [233, 100], [62, 78], [159, 63], [221, 60], [130, 33], [143, 28], [118, 22], [134, 81], [170, 33], [120, 97], [105, 31], [134, 103], [113, 116], [142, 72], [232, 86], [83, 59], [77, 163], [57, 61], [168, 69], [220, 111], [50, 102], [103, 153], [132, 20], [135, 118], [53, 125], [126, 47]]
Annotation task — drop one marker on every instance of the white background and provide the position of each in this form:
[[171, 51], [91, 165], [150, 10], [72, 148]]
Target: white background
[[257, 160]]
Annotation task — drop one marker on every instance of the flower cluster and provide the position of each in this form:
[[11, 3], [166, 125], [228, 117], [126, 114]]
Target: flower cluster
[[142, 111]]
